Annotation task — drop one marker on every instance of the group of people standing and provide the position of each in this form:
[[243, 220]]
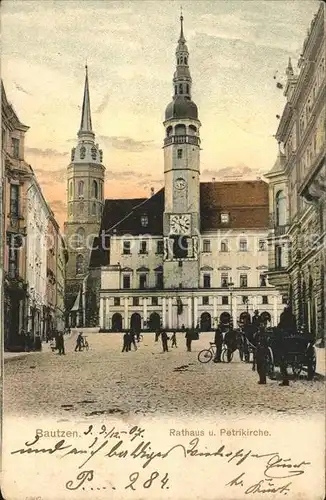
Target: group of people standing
[[130, 339], [190, 335]]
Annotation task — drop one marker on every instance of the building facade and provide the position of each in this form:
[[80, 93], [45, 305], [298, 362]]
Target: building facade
[[85, 188], [16, 174], [38, 214], [61, 262], [298, 186], [193, 253]]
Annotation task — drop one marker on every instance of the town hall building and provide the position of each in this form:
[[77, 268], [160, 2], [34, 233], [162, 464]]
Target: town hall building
[[192, 253]]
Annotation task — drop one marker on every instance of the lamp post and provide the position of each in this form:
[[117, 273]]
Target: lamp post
[[230, 287]]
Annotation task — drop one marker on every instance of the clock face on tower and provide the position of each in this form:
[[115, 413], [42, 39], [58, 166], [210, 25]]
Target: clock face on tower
[[180, 183], [180, 224]]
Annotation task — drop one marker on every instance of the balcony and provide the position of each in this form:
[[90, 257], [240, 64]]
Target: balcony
[[181, 139], [281, 230]]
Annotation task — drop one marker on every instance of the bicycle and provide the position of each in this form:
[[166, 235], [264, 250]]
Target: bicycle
[[206, 355], [226, 354]]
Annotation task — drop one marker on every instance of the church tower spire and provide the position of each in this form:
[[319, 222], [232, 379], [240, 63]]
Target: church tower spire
[[86, 118]]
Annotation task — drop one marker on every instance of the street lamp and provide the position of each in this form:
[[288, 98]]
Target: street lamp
[[230, 286]]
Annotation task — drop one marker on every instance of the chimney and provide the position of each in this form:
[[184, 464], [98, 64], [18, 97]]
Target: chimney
[[213, 179], [152, 191]]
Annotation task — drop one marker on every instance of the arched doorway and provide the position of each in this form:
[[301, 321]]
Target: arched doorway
[[245, 318], [265, 317], [154, 322], [117, 322], [205, 322], [225, 318], [135, 322]]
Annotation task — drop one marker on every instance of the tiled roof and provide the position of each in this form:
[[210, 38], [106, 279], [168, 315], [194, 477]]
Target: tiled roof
[[246, 202]]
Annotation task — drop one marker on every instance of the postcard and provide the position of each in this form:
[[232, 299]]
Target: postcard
[[162, 263]]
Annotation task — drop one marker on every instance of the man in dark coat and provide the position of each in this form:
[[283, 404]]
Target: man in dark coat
[[218, 343], [261, 354], [189, 338], [230, 340], [256, 319], [164, 338], [79, 342], [288, 321], [60, 343], [126, 342]]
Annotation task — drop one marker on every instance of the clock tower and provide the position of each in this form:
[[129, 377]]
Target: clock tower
[[181, 224]]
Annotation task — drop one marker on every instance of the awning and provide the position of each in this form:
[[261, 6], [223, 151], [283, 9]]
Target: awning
[[76, 305]]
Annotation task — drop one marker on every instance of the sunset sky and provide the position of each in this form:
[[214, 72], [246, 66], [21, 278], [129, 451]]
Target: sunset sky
[[236, 48]]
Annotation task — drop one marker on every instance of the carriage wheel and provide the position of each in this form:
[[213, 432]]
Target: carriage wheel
[[205, 356], [296, 369], [311, 368], [270, 369], [86, 345]]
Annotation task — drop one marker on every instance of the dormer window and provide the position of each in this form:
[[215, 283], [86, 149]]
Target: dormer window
[[82, 152], [93, 151], [225, 218], [144, 220]]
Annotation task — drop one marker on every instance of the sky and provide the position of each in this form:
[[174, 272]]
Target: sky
[[239, 50]]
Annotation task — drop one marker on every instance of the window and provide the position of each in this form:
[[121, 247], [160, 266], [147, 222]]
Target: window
[[93, 152], [142, 281], [265, 299], [80, 237], [70, 208], [179, 154], [15, 147], [245, 299], [160, 247], [284, 299], [13, 262], [135, 301], [207, 280], [243, 280], [225, 218], [126, 281], [154, 301], [186, 60], [159, 281], [225, 300], [280, 208], [206, 246], [143, 247], [187, 88], [79, 264], [70, 189], [94, 208], [262, 280], [205, 301], [224, 246], [262, 245], [224, 280], [243, 246], [81, 189], [3, 138], [278, 256], [126, 248], [95, 189], [180, 89], [144, 220], [116, 301], [14, 200], [82, 152]]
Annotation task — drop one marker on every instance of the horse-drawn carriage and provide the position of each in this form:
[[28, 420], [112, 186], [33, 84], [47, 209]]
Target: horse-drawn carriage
[[293, 351]]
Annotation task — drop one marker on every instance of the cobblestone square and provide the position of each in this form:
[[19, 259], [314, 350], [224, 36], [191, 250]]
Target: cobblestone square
[[105, 381]]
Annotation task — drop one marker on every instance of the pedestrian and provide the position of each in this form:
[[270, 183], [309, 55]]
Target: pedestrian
[[60, 343], [157, 334], [174, 340], [282, 349], [132, 339], [256, 319], [288, 321], [218, 340], [189, 338], [230, 340], [79, 342], [164, 338], [126, 342]]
